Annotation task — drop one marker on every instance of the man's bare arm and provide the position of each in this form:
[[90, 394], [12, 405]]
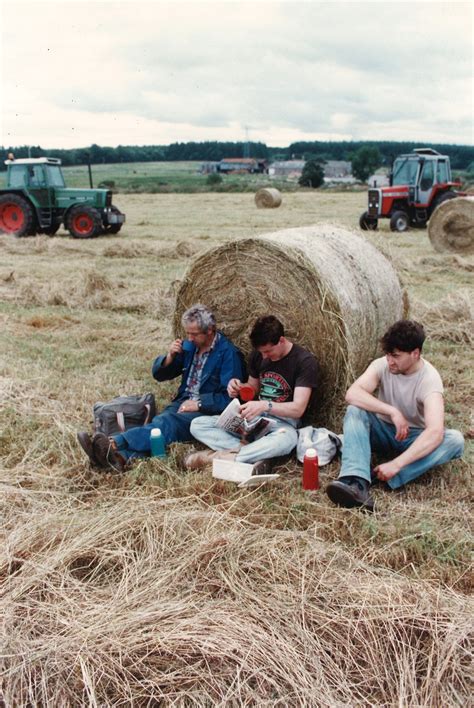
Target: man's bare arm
[[426, 442], [292, 409], [360, 394]]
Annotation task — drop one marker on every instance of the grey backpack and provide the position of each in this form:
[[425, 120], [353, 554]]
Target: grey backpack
[[123, 412]]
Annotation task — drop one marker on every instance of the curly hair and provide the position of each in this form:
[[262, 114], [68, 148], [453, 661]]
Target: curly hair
[[200, 314], [404, 335]]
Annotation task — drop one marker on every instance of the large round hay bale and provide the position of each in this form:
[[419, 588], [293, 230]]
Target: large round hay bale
[[268, 198], [335, 293], [451, 227]]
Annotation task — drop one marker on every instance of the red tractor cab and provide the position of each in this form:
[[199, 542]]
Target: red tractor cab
[[419, 182]]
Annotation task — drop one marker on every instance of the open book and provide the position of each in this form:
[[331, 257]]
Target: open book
[[247, 430]]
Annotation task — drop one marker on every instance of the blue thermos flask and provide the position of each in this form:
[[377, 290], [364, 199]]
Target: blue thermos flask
[[157, 443]]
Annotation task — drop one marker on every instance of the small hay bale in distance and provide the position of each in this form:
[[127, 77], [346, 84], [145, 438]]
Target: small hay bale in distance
[[335, 293], [451, 226], [268, 198]]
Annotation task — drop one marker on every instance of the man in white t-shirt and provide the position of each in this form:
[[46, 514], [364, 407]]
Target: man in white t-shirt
[[405, 420]]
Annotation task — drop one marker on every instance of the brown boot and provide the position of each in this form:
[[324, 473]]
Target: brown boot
[[106, 454], [203, 458], [85, 441]]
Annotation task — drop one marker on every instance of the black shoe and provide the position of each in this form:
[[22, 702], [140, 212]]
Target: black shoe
[[85, 441], [267, 466], [350, 492], [105, 454]]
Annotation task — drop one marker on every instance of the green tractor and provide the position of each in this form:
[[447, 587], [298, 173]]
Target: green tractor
[[36, 201]]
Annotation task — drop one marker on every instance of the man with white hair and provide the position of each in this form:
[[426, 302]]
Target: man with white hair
[[206, 361]]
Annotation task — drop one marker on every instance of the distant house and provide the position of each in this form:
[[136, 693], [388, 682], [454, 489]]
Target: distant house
[[241, 165], [379, 180], [208, 168], [289, 169], [334, 170]]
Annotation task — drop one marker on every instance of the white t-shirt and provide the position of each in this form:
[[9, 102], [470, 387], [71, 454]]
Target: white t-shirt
[[407, 392]]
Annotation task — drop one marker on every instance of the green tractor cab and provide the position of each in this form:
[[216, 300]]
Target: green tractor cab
[[37, 201]]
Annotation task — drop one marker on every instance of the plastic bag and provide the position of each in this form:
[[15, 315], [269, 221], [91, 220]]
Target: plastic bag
[[326, 443]]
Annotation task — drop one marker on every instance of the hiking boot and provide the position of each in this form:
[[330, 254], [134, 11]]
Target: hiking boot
[[85, 441], [203, 458], [350, 492], [106, 455], [267, 466]]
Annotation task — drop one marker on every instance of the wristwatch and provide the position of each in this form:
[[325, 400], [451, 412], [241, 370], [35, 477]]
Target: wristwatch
[[199, 404], [269, 406]]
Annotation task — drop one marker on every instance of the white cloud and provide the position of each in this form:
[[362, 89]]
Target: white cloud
[[75, 73]]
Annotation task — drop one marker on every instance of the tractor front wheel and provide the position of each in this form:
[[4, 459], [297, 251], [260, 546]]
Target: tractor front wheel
[[368, 223], [84, 222], [16, 216], [113, 228], [399, 221]]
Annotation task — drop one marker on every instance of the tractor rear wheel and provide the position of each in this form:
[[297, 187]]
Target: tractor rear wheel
[[16, 216], [399, 221], [84, 222], [368, 223], [445, 197]]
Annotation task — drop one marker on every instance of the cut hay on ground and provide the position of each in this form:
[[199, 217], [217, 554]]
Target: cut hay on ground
[[268, 198], [334, 292], [147, 601], [451, 319], [451, 227]]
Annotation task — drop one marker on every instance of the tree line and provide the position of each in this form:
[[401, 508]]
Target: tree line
[[461, 156]]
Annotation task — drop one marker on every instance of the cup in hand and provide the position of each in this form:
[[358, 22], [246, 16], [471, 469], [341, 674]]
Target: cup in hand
[[187, 346], [246, 393]]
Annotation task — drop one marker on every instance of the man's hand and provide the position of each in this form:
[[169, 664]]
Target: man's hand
[[253, 408], [175, 348], [387, 471], [188, 407], [233, 387], [401, 425]]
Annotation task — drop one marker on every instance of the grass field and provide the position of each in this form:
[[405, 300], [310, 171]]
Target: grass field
[[166, 587], [166, 178]]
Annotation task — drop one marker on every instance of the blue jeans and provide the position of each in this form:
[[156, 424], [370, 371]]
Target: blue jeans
[[280, 441], [364, 432], [174, 426]]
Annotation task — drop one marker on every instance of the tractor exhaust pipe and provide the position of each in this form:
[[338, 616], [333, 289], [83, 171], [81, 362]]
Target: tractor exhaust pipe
[[90, 171]]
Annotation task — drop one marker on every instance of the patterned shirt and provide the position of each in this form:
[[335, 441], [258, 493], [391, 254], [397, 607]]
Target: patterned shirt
[[193, 384]]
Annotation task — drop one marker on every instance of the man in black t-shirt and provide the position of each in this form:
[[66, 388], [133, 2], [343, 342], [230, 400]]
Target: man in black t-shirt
[[283, 376]]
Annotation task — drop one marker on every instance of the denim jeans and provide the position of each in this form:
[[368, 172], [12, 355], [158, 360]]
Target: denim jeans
[[280, 441], [174, 427], [364, 432]]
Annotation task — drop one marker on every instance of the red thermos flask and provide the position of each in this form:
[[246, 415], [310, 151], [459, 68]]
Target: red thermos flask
[[311, 469]]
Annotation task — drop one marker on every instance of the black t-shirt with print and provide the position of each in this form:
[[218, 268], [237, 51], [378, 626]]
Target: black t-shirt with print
[[278, 379]]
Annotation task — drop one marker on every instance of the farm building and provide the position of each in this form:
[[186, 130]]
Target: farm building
[[334, 170], [242, 164], [378, 180], [291, 169], [208, 168]]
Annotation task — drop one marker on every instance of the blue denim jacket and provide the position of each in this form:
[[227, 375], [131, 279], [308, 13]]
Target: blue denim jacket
[[224, 363]]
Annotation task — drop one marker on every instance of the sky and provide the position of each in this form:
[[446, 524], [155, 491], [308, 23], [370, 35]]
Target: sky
[[74, 73]]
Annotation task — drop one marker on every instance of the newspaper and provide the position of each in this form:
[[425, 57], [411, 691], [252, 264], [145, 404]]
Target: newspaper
[[232, 422]]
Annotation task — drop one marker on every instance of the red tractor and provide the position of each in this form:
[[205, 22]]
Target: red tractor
[[419, 182]]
